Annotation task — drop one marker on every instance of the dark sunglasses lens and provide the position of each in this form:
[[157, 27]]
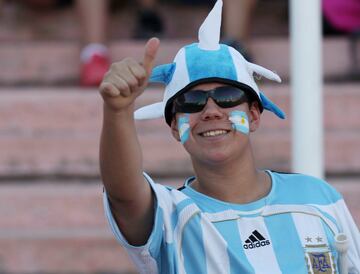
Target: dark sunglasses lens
[[228, 97], [195, 100], [190, 102]]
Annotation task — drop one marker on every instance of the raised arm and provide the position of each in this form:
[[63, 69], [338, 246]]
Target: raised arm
[[130, 195]]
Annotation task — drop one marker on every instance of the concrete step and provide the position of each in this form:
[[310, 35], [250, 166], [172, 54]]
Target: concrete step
[[59, 227], [57, 62], [55, 132]]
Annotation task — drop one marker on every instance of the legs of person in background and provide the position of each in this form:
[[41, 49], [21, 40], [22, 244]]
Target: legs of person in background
[[237, 23], [94, 56], [149, 22], [93, 18], [355, 55]]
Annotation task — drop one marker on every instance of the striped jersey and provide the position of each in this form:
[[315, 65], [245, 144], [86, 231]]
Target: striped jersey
[[291, 230]]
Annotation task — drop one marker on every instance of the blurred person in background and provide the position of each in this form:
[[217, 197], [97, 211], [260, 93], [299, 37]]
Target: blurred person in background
[[341, 16], [93, 18], [95, 58], [237, 24]]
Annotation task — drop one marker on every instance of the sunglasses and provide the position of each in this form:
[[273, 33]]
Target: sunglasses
[[194, 101]]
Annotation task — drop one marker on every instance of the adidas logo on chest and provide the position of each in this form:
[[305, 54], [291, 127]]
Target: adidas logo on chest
[[255, 240]]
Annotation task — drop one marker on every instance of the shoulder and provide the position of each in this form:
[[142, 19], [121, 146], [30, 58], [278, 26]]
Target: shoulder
[[303, 188], [169, 199]]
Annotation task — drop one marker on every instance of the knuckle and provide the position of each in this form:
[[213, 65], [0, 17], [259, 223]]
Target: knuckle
[[105, 87], [107, 75], [113, 66], [134, 62], [117, 66], [128, 60], [140, 72], [122, 85], [104, 91], [133, 83]]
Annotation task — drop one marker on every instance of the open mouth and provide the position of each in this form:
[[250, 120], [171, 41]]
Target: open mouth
[[214, 133]]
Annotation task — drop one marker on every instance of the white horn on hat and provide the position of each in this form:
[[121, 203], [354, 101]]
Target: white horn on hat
[[209, 32]]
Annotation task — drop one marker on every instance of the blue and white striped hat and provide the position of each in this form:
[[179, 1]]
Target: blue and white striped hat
[[207, 61]]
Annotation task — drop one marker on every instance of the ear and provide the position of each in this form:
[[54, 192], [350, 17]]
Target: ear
[[254, 116], [174, 129]]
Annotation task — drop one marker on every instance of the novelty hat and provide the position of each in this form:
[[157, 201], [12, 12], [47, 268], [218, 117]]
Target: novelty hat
[[207, 61]]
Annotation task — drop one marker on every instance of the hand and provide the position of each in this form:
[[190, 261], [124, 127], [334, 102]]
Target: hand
[[127, 79]]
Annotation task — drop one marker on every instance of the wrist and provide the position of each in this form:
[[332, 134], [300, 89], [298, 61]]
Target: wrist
[[127, 112]]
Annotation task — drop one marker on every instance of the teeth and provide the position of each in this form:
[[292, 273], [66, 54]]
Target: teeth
[[213, 133]]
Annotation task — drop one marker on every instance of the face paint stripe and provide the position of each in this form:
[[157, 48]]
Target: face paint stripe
[[240, 121], [184, 128]]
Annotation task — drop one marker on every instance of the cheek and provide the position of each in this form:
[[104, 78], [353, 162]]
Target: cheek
[[184, 128], [240, 121], [192, 118], [244, 108]]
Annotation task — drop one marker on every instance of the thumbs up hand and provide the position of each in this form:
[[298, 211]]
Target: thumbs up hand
[[127, 79]]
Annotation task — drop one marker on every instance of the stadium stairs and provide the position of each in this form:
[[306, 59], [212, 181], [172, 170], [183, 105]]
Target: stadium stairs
[[51, 215]]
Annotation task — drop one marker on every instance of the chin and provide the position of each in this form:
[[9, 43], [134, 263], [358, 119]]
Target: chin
[[216, 157], [215, 154]]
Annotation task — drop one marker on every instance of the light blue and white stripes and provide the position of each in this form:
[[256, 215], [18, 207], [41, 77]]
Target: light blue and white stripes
[[194, 233]]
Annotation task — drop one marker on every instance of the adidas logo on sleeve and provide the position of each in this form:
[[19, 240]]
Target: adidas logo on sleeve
[[255, 240]]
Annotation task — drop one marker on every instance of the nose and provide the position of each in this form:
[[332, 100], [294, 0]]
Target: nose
[[211, 111]]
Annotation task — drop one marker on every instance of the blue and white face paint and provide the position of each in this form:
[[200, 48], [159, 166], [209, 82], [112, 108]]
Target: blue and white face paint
[[240, 121], [184, 128]]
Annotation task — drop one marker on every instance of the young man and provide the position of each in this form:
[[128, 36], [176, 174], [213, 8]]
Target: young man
[[230, 217]]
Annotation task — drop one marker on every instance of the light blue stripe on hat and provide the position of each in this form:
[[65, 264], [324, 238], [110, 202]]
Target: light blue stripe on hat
[[209, 63], [163, 73]]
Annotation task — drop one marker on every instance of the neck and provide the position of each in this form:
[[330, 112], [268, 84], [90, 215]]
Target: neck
[[233, 181]]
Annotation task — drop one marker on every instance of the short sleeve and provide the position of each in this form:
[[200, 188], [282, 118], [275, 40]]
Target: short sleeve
[[146, 256]]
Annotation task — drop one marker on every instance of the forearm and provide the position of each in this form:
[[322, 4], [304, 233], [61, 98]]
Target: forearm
[[130, 196], [120, 155]]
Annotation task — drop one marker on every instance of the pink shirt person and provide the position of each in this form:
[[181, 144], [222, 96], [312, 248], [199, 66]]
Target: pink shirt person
[[344, 15]]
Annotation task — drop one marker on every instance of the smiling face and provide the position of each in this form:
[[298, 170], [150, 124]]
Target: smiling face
[[212, 138]]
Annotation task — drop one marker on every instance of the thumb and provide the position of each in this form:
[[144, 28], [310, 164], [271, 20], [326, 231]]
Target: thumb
[[151, 49]]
